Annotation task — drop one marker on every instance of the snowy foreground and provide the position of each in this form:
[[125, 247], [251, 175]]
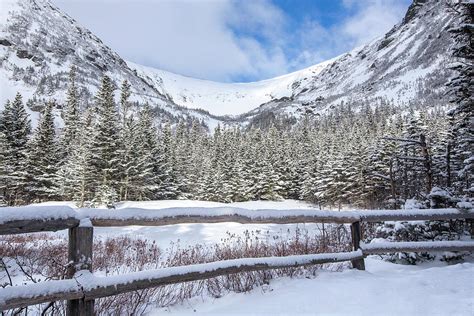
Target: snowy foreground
[[383, 289], [190, 234]]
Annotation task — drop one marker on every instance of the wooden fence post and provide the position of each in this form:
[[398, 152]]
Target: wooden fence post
[[80, 258], [356, 233]]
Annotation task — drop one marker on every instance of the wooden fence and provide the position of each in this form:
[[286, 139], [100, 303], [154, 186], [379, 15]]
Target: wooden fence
[[83, 287]]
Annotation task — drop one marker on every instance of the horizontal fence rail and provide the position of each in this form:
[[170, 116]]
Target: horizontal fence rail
[[83, 287], [45, 218], [416, 246], [31, 219], [415, 215], [171, 216], [89, 287]]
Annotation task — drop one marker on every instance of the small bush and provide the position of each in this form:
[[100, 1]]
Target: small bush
[[33, 258]]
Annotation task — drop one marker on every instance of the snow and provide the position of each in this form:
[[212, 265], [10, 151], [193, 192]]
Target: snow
[[90, 281], [204, 233], [225, 98], [85, 222], [7, 6], [140, 214], [426, 290], [38, 289], [276, 205], [383, 289], [410, 212], [464, 205], [35, 213], [84, 280], [415, 244]]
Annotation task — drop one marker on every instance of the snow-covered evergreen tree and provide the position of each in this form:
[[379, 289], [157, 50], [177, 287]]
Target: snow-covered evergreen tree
[[79, 174], [147, 151], [43, 159], [71, 116], [461, 142], [4, 168], [165, 166], [105, 145], [16, 128]]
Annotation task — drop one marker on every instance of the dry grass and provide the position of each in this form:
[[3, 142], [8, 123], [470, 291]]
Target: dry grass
[[35, 258]]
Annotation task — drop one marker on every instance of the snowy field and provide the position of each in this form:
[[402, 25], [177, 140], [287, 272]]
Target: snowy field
[[189, 234], [383, 289]]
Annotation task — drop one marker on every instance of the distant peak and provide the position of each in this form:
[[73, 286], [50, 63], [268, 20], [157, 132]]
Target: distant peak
[[413, 10]]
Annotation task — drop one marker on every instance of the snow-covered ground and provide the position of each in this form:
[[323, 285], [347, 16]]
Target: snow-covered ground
[[220, 98], [383, 289], [190, 234]]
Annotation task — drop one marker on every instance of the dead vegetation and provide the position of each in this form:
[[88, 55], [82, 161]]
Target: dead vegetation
[[39, 257]]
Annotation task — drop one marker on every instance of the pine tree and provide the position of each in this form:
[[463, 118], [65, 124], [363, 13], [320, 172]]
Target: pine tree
[[146, 139], [16, 127], [127, 147], [461, 143], [164, 167], [106, 144], [125, 93], [43, 158], [71, 116], [79, 172], [4, 168]]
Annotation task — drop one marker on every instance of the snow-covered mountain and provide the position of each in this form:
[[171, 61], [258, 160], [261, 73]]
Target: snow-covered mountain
[[38, 44], [224, 98], [408, 64]]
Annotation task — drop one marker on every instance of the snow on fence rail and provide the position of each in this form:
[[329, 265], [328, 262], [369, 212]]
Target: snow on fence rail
[[86, 287], [17, 220], [180, 215], [416, 246], [30, 219]]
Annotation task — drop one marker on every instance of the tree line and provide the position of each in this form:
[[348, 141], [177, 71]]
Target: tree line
[[376, 156]]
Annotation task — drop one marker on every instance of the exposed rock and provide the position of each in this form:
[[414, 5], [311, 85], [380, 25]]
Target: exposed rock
[[5, 42], [23, 53]]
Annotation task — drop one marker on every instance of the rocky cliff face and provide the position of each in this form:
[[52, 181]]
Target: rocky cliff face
[[410, 64], [38, 45]]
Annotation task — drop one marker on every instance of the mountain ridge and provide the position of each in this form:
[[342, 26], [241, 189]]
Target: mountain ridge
[[408, 64]]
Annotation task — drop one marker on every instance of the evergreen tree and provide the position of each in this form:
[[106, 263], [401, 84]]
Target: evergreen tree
[[16, 128], [71, 116], [43, 158], [461, 142], [125, 93], [146, 140], [105, 154], [79, 172], [164, 166], [4, 168]]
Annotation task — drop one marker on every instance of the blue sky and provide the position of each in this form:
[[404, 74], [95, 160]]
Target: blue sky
[[234, 40]]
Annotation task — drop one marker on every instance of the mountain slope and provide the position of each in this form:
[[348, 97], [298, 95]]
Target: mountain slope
[[223, 98], [38, 43], [408, 64]]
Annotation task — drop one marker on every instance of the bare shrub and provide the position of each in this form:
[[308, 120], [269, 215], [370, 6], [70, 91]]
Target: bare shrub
[[32, 258]]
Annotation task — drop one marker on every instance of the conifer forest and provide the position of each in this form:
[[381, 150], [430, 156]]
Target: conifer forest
[[374, 157]]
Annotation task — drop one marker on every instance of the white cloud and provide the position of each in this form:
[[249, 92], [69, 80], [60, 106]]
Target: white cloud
[[366, 20], [194, 38], [225, 40], [372, 19]]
